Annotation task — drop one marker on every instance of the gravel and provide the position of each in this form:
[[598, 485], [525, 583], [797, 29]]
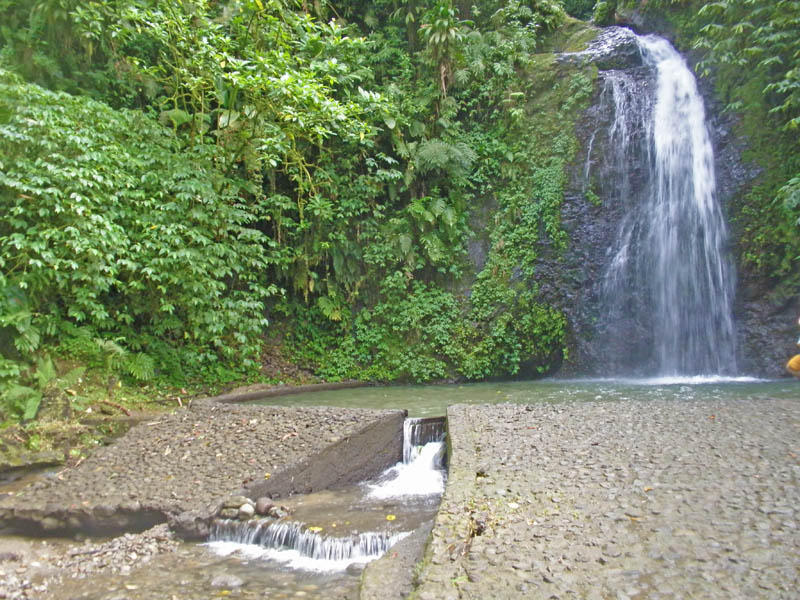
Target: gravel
[[179, 466], [626, 499], [619, 500], [33, 568]]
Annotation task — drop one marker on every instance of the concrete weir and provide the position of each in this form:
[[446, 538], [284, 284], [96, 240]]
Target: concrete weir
[[634, 499], [178, 467]]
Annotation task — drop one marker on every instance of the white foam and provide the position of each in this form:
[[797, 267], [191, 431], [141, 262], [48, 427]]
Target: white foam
[[665, 380], [291, 558], [690, 380], [423, 476]]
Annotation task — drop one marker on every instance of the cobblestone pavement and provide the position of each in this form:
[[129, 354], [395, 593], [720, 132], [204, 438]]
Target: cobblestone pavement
[[619, 500], [182, 464]]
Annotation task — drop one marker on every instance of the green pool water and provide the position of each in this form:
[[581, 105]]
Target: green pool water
[[432, 400]]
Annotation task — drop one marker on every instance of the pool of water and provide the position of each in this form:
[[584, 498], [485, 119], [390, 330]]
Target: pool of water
[[433, 400]]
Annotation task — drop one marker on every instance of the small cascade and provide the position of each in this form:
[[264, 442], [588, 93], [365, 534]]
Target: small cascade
[[418, 432], [422, 471], [334, 529], [667, 294], [295, 541]]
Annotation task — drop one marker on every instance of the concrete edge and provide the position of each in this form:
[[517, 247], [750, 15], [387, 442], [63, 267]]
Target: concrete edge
[[284, 390], [363, 454]]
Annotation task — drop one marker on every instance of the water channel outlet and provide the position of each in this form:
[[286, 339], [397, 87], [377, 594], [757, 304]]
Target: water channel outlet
[[342, 530]]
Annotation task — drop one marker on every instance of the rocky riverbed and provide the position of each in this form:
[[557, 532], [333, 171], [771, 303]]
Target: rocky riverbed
[[623, 499], [171, 475], [619, 500]]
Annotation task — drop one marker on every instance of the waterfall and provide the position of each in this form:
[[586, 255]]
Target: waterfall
[[298, 547], [422, 471], [668, 280], [418, 432]]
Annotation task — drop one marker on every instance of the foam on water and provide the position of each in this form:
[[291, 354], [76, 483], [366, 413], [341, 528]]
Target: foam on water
[[423, 476], [668, 380], [297, 547], [292, 558]]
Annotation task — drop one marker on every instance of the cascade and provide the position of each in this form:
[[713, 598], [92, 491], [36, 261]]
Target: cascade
[[422, 471], [668, 279], [413, 485], [418, 432], [306, 548]]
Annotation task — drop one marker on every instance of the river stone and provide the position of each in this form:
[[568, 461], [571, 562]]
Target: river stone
[[236, 501], [226, 580], [246, 511], [51, 524], [263, 505], [278, 512]]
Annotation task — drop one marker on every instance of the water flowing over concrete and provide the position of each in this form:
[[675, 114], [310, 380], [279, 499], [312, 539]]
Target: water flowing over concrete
[[668, 280], [422, 471], [331, 531], [294, 545]]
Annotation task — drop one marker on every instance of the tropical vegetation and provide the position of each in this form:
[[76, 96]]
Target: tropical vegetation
[[184, 182]]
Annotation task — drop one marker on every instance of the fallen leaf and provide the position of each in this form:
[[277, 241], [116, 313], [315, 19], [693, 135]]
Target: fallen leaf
[[315, 529], [390, 517]]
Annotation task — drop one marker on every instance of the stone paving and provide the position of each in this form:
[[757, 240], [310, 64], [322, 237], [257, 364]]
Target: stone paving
[[619, 500], [178, 467]]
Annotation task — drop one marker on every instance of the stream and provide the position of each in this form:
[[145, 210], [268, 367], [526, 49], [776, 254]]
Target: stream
[[433, 400], [317, 551], [320, 549]]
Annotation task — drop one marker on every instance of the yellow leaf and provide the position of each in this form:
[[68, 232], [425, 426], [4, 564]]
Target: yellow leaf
[[390, 517], [260, 5], [315, 529], [267, 475]]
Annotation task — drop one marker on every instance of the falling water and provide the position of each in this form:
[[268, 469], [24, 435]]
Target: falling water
[[668, 272], [422, 471], [400, 496], [297, 546]]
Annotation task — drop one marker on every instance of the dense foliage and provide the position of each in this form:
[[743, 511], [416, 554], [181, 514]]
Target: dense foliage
[[181, 180]]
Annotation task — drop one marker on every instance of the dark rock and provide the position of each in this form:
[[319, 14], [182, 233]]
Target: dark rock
[[263, 505], [9, 556]]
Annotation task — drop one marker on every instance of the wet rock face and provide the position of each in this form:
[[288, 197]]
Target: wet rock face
[[601, 184], [597, 199], [613, 48]]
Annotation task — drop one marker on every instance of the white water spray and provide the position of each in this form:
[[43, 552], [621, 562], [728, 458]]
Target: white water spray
[[295, 546], [669, 271], [422, 471]]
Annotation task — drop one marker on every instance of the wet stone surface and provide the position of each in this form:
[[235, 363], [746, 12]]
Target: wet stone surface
[[178, 467], [619, 500]]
